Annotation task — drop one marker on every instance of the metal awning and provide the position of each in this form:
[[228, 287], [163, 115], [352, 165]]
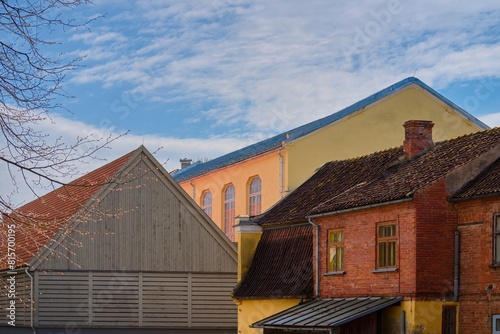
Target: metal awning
[[325, 313]]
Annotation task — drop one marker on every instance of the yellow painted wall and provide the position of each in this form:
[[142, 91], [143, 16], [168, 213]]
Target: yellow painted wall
[[378, 127], [266, 166], [422, 317], [253, 310]]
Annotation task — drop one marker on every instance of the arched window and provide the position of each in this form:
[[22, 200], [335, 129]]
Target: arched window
[[254, 196], [229, 211], [206, 203]]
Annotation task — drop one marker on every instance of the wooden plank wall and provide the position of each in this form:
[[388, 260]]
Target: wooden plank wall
[[144, 225], [153, 300], [22, 299]]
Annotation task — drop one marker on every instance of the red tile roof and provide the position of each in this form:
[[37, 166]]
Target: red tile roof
[[377, 178], [282, 265], [486, 184], [37, 222]]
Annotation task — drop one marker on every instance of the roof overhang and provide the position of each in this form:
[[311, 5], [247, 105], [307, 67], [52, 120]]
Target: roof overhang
[[325, 314]]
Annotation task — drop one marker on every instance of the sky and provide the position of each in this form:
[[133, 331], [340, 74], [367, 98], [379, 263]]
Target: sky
[[198, 79]]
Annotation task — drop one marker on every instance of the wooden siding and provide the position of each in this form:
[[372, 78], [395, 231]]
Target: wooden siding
[[148, 300], [147, 224], [22, 299]]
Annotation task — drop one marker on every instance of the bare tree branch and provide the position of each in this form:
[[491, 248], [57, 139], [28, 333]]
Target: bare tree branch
[[30, 88]]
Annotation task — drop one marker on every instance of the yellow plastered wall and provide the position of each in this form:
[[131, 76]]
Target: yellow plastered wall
[[253, 310], [266, 166], [247, 244], [378, 127], [422, 317]]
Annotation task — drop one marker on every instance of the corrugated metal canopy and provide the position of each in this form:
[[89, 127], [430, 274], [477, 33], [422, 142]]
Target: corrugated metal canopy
[[326, 313]]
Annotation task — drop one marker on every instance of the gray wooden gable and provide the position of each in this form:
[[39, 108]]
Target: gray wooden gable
[[145, 223]]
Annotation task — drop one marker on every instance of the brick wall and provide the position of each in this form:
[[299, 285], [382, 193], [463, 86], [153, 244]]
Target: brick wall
[[435, 233], [479, 282], [425, 250], [360, 253]]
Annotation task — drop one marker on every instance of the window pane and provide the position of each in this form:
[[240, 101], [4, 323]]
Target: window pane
[[382, 254], [340, 257], [229, 211], [497, 324], [207, 203], [331, 262], [391, 254], [497, 224], [497, 248], [254, 197]]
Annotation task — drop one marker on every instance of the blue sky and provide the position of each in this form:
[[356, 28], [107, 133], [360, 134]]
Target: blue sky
[[202, 78]]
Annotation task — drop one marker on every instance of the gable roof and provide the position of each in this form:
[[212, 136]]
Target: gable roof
[[486, 184], [282, 265], [378, 178], [272, 143], [37, 222]]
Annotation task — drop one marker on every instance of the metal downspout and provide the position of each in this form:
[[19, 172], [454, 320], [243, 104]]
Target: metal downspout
[[281, 172], [317, 255], [456, 273], [32, 300]]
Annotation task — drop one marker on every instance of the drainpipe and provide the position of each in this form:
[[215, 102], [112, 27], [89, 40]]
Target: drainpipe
[[317, 255], [281, 171], [456, 274], [32, 300]]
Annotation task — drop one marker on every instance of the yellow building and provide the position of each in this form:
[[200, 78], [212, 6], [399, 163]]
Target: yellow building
[[250, 180]]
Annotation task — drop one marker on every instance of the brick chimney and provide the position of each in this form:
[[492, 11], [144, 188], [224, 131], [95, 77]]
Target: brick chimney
[[418, 137], [185, 162]]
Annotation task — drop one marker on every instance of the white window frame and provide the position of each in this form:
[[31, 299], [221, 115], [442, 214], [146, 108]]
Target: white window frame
[[496, 330]]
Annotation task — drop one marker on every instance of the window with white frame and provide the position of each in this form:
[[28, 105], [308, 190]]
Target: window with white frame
[[206, 203], [254, 196], [229, 211], [496, 324]]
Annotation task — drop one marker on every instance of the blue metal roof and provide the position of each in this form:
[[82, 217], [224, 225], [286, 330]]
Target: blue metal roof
[[275, 142]]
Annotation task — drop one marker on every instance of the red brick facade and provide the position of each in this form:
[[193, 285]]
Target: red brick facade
[[425, 249], [479, 281]]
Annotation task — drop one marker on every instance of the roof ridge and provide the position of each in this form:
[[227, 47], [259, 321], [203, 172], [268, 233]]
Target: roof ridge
[[275, 141]]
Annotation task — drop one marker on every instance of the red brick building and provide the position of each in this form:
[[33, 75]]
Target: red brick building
[[478, 209], [386, 241]]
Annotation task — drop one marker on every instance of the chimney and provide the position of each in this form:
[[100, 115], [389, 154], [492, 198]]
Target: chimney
[[185, 162], [418, 137], [248, 236]]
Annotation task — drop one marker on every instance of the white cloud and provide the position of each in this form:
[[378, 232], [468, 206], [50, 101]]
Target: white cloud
[[492, 120], [295, 61], [168, 151]]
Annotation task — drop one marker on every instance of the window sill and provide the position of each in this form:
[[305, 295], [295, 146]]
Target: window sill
[[494, 265], [334, 273], [384, 270]]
